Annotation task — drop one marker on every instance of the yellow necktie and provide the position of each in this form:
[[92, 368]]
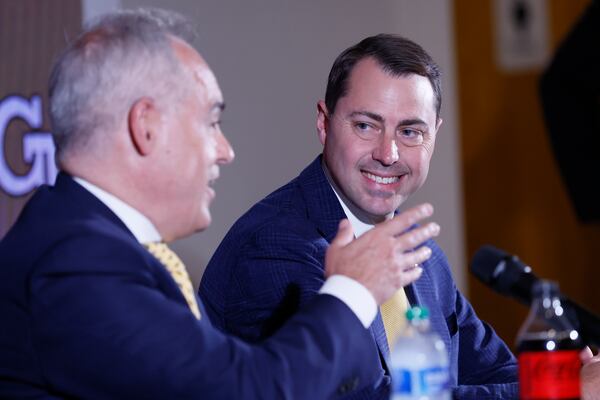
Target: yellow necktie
[[393, 313], [176, 268]]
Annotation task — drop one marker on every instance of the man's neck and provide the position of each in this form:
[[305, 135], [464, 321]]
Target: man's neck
[[360, 221], [141, 227]]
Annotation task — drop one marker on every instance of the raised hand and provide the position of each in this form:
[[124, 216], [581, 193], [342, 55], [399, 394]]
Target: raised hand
[[387, 257]]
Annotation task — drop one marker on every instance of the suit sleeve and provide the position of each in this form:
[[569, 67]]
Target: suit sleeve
[[106, 326], [487, 367], [260, 277]]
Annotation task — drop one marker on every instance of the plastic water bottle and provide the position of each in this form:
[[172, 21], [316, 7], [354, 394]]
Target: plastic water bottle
[[419, 361]]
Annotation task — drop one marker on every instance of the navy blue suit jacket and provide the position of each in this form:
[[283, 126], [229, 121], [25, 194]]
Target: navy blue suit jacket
[[87, 312], [271, 263]]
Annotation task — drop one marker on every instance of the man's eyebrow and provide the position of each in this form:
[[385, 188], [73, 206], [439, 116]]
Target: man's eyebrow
[[412, 121], [368, 114], [379, 118]]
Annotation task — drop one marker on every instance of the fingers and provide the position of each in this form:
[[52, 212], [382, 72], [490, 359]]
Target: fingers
[[406, 219], [586, 355], [415, 237], [388, 256], [409, 266], [410, 259], [398, 228], [410, 275], [344, 236]]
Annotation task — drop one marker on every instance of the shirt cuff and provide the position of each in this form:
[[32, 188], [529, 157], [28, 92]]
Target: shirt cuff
[[357, 297]]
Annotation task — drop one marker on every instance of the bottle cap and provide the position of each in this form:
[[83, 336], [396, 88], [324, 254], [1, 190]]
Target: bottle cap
[[417, 313]]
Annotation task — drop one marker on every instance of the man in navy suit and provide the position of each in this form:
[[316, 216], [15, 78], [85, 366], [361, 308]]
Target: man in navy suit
[[86, 311], [378, 126]]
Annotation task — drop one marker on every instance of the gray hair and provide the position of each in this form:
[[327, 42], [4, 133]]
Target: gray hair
[[119, 58]]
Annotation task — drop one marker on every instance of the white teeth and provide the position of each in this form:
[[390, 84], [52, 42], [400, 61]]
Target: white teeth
[[380, 179]]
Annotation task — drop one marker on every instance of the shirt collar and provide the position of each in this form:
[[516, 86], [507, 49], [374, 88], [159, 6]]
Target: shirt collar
[[360, 224], [141, 227]]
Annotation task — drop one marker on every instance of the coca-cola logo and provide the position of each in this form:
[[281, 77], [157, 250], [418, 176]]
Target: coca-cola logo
[[549, 374], [543, 368]]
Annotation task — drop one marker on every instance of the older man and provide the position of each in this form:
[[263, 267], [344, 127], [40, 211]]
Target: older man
[[92, 302], [378, 126]]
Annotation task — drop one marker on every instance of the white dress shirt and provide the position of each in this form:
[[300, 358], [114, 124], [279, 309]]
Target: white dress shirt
[[358, 297], [141, 227], [353, 294]]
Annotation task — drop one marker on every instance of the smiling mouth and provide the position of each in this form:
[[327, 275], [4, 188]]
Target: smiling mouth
[[384, 180]]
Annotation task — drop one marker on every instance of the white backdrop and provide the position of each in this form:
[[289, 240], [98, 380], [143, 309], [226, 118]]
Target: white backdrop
[[272, 58]]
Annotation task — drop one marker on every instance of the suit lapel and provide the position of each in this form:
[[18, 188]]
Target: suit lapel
[[325, 211], [378, 332], [322, 205], [85, 202], [424, 292]]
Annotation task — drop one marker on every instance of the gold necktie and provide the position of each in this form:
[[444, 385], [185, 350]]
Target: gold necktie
[[176, 268], [393, 313]]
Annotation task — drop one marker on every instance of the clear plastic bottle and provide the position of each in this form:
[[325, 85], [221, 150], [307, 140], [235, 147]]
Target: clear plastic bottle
[[419, 361], [548, 349]]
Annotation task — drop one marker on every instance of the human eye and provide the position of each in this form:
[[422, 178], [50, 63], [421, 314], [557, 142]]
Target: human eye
[[365, 129], [411, 136], [362, 126]]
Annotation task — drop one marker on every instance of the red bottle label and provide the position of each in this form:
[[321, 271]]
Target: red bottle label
[[549, 374]]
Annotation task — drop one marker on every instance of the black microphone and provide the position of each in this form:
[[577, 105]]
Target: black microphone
[[510, 276]]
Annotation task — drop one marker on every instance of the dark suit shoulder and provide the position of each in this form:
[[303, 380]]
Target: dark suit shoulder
[[92, 248], [282, 202], [269, 263], [276, 225]]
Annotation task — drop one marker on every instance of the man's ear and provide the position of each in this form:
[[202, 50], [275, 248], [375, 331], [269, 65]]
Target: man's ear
[[144, 120], [322, 121], [438, 124]]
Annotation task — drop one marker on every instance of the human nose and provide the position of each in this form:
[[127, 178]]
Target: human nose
[[225, 153], [386, 150]]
